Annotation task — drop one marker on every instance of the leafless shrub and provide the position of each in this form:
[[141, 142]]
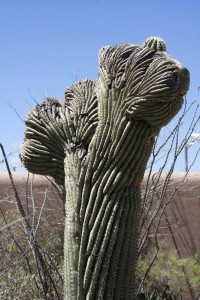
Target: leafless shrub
[[29, 238], [160, 187]]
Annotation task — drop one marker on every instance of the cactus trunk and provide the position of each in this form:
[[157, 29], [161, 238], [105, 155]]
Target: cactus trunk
[[103, 206]]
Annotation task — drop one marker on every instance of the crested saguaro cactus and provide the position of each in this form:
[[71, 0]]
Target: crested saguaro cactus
[[97, 143]]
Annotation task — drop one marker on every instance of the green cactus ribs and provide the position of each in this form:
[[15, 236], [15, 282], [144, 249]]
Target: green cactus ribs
[[97, 143], [155, 43]]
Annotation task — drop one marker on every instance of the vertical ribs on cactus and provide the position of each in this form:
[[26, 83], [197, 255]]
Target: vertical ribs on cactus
[[97, 143]]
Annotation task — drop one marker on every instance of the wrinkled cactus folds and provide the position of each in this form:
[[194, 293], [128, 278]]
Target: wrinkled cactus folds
[[97, 143]]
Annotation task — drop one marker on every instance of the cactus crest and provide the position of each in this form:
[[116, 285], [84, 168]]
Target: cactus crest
[[155, 43]]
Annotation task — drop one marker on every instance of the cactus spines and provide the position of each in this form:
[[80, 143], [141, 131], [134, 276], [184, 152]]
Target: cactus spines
[[155, 43], [98, 143]]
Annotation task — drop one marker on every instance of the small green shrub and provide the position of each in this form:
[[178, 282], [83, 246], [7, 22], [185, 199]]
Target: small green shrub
[[19, 278], [166, 278], [19, 284]]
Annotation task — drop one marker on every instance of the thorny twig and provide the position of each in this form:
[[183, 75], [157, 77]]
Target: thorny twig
[[43, 267]]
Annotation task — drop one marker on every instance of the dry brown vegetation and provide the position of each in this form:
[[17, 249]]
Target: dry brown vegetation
[[32, 223]]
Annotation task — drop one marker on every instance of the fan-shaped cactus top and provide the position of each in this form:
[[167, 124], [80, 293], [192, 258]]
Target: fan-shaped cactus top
[[135, 82]]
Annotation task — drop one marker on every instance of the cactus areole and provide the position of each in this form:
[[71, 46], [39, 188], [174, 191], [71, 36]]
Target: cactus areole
[[97, 143]]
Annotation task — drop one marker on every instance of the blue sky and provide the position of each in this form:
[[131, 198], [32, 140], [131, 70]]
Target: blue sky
[[47, 45]]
